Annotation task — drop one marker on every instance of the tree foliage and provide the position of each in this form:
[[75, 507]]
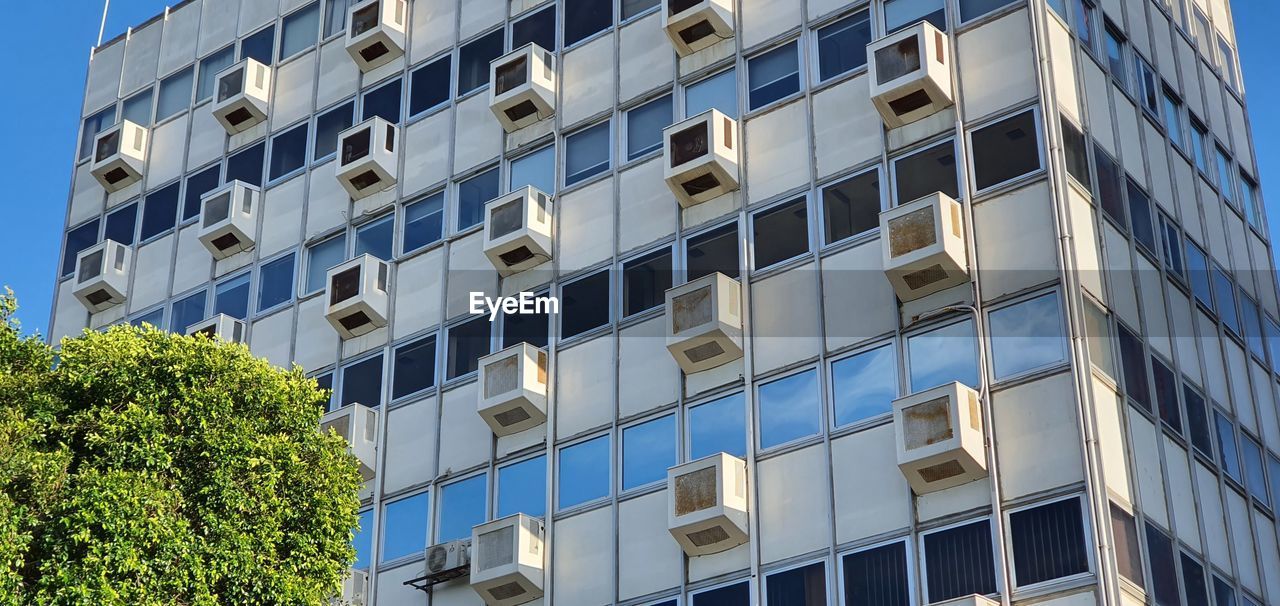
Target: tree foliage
[[143, 468]]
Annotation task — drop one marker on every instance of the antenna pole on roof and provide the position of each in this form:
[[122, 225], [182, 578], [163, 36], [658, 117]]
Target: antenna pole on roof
[[101, 28]]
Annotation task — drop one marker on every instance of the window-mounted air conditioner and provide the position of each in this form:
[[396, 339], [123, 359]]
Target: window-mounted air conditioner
[[358, 424], [910, 74], [939, 437], [507, 560], [220, 326], [693, 25], [356, 297], [229, 218], [522, 86], [704, 322], [924, 246], [700, 157], [119, 154], [243, 95], [707, 504], [513, 389], [102, 275], [448, 560], [367, 157], [375, 32], [517, 230], [355, 590]]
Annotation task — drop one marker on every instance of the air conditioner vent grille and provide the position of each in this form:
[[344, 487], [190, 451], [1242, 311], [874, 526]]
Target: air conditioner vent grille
[[689, 144], [506, 218], [355, 320], [511, 75], [230, 85], [704, 352], [345, 285], [696, 491], [502, 376], [924, 277], [496, 548], [897, 60], [710, 536], [507, 418], [941, 471], [912, 231], [356, 145], [507, 591], [108, 145], [217, 209], [91, 266], [691, 309], [926, 423], [364, 19]]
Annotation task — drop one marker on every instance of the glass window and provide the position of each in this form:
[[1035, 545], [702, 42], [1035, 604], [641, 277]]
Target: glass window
[[1110, 189], [299, 30], [335, 16], [1198, 421], [842, 46], [732, 595], [645, 282], [247, 165], [423, 222], [851, 207], [1128, 554], [718, 426], [1199, 151], [1226, 183], [584, 472], [328, 125], [1228, 57], [901, 13], [522, 488], [864, 385], [324, 382], [1164, 575], [362, 540], [943, 355], [159, 211], [414, 367], [1133, 361], [260, 45], [631, 8], [175, 94], [78, 239], [462, 506], [789, 409], [1273, 469], [1198, 273], [1193, 585], [1077, 152], [1225, 293], [1148, 93], [288, 151], [773, 75], [1166, 392], [1115, 55], [275, 282], [92, 126], [537, 168], [926, 172], [187, 311], [1048, 542], [383, 102], [1085, 15], [232, 297], [877, 576], [781, 232], [473, 193], [538, 28], [959, 561], [468, 342], [716, 92], [1173, 119], [320, 257], [1273, 341], [404, 526], [154, 318], [587, 153], [1005, 150], [137, 109], [1144, 232], [362, 382], [582, 18], [972, 9], [1252, 204], [209, 67], [121, 225], [1228, 458], [716, 250], [533, 328], [1059, 6], [644, 126], [648, 449], [1223, 593], [1027, 336], [1255, 477], [584, 304], [429, 85], [1252, 326], [375, 238], [1171, 245], [198, 185], [1101, 347], [803, 586], [474, 58]]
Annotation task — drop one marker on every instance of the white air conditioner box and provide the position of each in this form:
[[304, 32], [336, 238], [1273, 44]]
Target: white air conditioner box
[[243, 95], [704, 322], [507, 560], [220, 326], [707, 504], [229, 218], [910, 74], [700, 157], [355, 590], [513, 389], [517, 230], [375, 32], [119, 154], [924, 246], [939, 437], [357, 296], [522, 86], [448, 560], [367, 157], [102, 275], [358, 424], [693, 25]]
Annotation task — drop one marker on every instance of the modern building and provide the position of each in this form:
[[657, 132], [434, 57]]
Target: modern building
[[872, 303]]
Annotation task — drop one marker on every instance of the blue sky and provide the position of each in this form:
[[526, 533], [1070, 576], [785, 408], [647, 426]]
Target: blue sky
[[43, 126]]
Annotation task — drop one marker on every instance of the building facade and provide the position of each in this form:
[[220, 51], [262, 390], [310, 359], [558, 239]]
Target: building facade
[[993, 312]]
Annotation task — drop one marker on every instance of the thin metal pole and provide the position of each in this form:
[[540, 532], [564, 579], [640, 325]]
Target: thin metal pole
[[103, 26]]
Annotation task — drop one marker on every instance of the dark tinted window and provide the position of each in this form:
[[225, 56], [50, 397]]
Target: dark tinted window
[[288, 151], [429, 85], [468, 342], [1198, 421], [851, 207], [538, 28], [474, 58], [716, 250], [1134, 363], [472, 196], [1166, 392], [1198, 275], [329, 124], [585, 17], [587, 153], [159, 211], [78, 239], [1110, 194], [926, 172], [121, 224], [803, 586], [773, 75], [877, 577], [1124, 533], [1140, 214], [1223, 593], [781, 233], [645, 282], [423, 222], [842, 46], [972, 9], [362, 382], [383, 102], [1193, 585], [733, 595], [531, 328], [1005, 150], [415, 367], [1228, 456], [584, 304], [247, 165], [259, 46], [959, 562], [275, 282], [232, 297], [1225, 294], [1164, 575], [187, 311], [1077, 152], [1048, 542], [198, 185]]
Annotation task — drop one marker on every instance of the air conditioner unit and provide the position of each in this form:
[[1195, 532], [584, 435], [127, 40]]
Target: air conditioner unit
[[513, 384], [355, 590], [693, 25], [707, 504], [243, 95], [367, 157], [119, 154], [704, 322], [359, 425], [102, 275], [522, 87], [375, 32], [517, 230], [357, 296], [449, 560], [220, 326], [939, 437], [229, 218], [507, 560], [700, 157], [924, 246], [910, 74]]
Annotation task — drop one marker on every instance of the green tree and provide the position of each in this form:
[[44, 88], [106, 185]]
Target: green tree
[[143, 468]]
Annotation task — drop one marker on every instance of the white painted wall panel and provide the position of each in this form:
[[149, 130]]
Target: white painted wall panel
[[178, 42], [468, 439], [871, 494], [997, 69], [647, 209], [582, 563], [417, 295], [585, 234], [846, 127], [410, 445], [646, 60], [584, 386], [649, 559], [777, 151], [1036, 436], [791, 487], [648, 376], [858, 301], [587, 81], [141, 56]]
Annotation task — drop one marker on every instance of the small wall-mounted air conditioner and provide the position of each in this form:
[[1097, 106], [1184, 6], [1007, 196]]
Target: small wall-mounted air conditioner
[[704, 322], [355, 590], [707, 504], [367, 157], [243, 95], [375, 32], [910, 74], [102, 275], [448, 560], [700, 157], [220, 326], [939, 437], [513, 389], [693, 25], [517, 230], [924, 246], [507, 560], [522, 86], [358, 424], [119, 154], [229, 218], [356, 297]]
